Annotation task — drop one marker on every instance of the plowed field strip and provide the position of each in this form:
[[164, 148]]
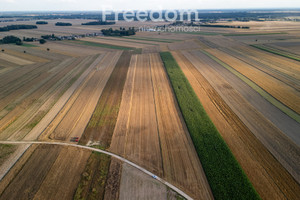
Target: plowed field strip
[[180, 161], [267, 175], [136, 132], [102, 123]]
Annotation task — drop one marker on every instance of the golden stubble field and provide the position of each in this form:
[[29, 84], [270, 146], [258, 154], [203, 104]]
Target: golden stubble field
[[53, 96]]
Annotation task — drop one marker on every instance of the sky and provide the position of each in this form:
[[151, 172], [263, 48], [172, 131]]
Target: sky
[[99, 5]]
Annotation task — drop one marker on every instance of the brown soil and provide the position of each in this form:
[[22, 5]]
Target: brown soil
[[112, 188]]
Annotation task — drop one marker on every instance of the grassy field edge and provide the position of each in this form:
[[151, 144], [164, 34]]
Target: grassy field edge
[[275, 52], [288, 111], [224, 174]]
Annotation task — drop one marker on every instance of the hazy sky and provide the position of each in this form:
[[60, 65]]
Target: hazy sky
[[46, 5]]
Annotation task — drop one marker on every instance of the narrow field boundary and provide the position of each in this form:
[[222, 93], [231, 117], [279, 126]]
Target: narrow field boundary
[[291, 113], [224, 174], [107, 153], [275, 51]]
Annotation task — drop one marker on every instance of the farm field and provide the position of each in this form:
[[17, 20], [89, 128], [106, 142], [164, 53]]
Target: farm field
[[146, 86], [259, 165], [100, 117]]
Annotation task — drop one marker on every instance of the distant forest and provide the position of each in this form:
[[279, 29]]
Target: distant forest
[[98, 23], [120, 32], [17, 27], [63, 24], [41, 22]]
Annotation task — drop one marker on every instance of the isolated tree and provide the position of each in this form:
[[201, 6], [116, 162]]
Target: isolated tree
[[2, 50], [42, 41], [48, 49]]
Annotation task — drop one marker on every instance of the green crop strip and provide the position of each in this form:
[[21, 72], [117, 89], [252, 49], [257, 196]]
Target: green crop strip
[[275, 52], [225, 176], [258, 89]]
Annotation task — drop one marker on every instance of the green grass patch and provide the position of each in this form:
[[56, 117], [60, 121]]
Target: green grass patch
[[93, 179], [153, 39], [258, 89], [252, 34], [108, 46], [5, 151], [274, 51], [224, 174], [28, 45]]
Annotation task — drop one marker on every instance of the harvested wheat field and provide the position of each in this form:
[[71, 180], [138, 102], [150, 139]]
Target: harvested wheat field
[[224, 82], [260, 166], [287, 95], [71, 121], [153, 135], [101, 125], [49, 173]]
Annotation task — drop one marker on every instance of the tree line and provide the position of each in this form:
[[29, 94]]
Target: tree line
[[120, 32], [17, 27]]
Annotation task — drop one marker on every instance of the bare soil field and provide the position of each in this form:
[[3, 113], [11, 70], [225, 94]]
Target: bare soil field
[[136, 185], [260, 166], [224, 82], [102, 123], [113, 181], [151, 124]]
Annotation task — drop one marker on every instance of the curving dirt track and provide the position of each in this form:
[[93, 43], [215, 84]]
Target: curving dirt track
[[268, 176]]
